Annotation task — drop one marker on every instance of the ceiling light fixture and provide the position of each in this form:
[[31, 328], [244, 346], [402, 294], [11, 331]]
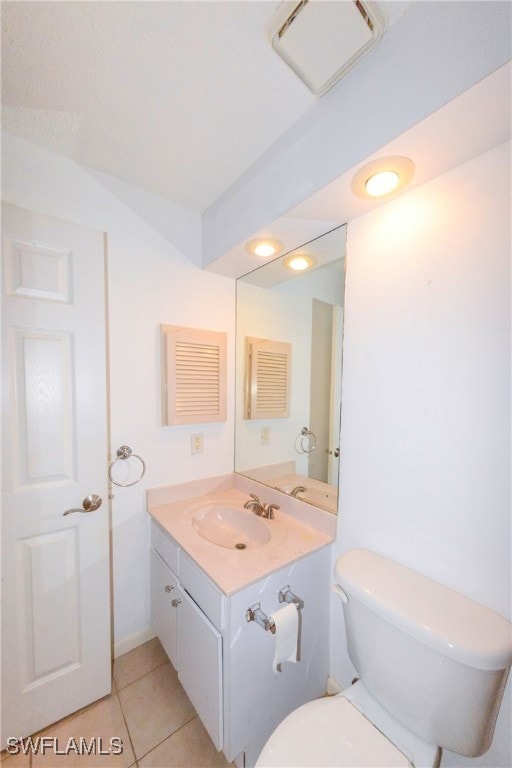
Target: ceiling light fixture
[[298, 262], [382, 177], [382, 183], [264, 247]]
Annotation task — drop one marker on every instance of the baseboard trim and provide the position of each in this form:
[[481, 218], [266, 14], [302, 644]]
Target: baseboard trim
[[132, 641]]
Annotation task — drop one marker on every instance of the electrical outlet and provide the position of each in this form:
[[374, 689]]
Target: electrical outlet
[[196, 443], [265, 435]]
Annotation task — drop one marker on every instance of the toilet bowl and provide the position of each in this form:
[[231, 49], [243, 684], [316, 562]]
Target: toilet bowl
[[345, 731]]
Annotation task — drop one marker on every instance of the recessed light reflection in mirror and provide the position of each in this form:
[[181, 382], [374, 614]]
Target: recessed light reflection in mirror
[[302, 309], [265, 247], [298, 262]]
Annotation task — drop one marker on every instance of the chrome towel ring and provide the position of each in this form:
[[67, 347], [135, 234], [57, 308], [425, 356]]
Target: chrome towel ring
[[305, 442], [123, 453]]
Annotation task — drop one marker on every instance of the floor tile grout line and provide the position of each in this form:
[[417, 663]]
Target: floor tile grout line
[[144, 675], [127, 729], [168, 737], [126, 722]]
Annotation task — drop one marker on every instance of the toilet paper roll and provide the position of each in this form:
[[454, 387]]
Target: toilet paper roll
[[287, 635]]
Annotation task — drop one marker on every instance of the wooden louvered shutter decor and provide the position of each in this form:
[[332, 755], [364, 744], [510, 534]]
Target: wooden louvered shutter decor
[[195, 381], [268, 370]]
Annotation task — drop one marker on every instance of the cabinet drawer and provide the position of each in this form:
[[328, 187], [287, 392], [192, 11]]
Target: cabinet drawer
[[165, 546], [202, 590]]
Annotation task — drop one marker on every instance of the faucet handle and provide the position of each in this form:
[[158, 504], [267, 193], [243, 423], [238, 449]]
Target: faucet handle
[[255, 502], [270, 510]]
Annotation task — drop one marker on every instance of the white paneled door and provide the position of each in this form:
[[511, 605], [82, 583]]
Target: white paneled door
[[56, 646]]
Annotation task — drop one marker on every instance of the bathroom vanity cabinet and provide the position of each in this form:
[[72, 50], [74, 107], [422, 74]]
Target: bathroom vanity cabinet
[[223, 661]]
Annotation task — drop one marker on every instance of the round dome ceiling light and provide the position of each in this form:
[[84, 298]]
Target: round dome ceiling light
[[382, 177], [298, 262], [264, 247]]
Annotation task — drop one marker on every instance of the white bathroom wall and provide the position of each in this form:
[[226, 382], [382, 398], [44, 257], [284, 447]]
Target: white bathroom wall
[[149, 282], [425, 436]]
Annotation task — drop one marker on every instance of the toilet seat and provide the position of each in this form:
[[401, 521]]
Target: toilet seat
[[329, 733]]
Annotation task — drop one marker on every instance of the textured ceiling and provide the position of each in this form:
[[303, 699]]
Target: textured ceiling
[[179, 98]]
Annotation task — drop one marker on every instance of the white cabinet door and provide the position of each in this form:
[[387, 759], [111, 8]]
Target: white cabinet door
[[163, 613], [200, 665], [55, 566]]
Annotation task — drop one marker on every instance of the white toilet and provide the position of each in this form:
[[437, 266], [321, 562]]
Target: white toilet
[[433, 665]]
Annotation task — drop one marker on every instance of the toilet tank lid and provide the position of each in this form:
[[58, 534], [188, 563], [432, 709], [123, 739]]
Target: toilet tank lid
[[439, 617]]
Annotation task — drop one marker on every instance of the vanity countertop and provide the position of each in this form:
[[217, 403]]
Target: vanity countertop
[[231, 569]]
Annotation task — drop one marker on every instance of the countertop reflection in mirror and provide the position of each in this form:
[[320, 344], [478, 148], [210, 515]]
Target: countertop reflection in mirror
[[298, 452]]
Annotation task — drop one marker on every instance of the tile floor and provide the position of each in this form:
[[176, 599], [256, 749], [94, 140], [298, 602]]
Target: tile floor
[[148, 709]]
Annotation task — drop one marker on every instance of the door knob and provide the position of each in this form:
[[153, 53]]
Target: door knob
[[168, 588], [336, 453], [89, 504], [175, 603]]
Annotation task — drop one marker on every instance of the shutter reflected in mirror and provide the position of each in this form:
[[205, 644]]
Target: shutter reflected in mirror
[[267, 390], [194, 375]]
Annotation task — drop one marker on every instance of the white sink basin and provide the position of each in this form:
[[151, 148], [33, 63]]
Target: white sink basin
[[231, 527]]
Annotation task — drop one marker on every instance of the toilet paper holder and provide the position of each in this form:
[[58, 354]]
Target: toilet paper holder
[[254, 612], [285, 595]]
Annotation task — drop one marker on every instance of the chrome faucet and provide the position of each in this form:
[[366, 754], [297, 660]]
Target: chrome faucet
[[298, 489], [260, 508]]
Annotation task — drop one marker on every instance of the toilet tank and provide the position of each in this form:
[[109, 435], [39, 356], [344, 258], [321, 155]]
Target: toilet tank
[[436, 660]]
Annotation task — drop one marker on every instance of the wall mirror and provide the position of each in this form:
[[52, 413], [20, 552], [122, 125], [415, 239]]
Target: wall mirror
[[280, 308]]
